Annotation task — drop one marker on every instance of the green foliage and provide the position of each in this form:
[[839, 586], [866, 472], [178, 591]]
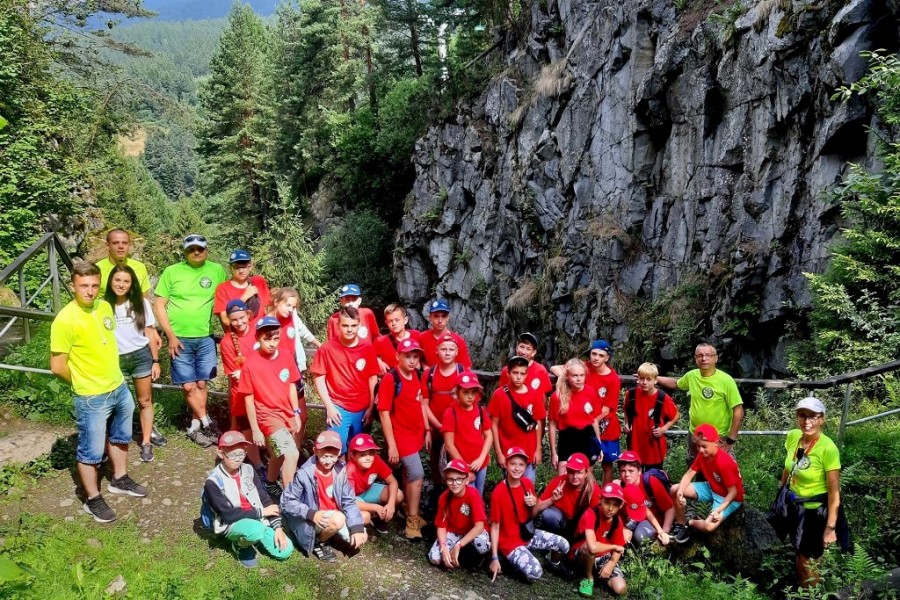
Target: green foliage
[[355, 252], [36, 396]]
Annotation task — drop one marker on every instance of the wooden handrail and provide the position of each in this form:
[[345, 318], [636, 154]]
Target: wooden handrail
[[25, 256]]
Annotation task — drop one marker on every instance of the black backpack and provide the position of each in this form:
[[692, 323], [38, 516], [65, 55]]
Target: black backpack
[[651, 474], [429, 379]]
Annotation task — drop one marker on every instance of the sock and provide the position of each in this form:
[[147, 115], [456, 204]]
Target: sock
[[195, 425], [205, 420]]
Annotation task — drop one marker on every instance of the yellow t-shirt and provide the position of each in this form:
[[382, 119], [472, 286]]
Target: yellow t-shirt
[[713, 399], [106, 267], [87, 336], [810, 477]]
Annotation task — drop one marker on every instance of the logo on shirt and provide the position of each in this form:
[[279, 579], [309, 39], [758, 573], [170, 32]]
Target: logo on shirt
[[363, 331], [717, 477], [477, 423], [256, 346], [291, 332], [372, 478], [707, 392], [108, 323], [205, 282], [535, 383], [465, 509], [588, 409], [804, 463], [360, 364], [530, 409], [601, 392], [329, 491], [634, 506], [283, 375]]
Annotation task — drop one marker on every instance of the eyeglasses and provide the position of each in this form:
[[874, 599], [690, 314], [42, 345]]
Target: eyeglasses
[[705, 355], [195, 239], [196, 249], [456, 481], [236, 455], [808, 417]]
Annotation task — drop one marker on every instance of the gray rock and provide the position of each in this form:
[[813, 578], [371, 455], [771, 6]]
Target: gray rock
[[117, 586]]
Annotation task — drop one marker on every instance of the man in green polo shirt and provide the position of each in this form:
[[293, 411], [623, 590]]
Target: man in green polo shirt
[[184, 304], [714, 398], [83, 352]]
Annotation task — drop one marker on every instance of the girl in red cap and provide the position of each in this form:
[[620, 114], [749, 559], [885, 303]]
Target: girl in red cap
[[460, 519], [574, 416], [601, 543], [466, 428], [376, 501]]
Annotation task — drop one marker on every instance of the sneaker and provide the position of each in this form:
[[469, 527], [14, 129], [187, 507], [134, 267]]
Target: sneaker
[[681, 533], [262, 472], [146, 452], [212, 434], [379, 526], [413, 531], [127, 486], [99, 509], [586, 587], [246, 555], [213, 428], [273, 488], [157, 439], [560, 568], [200, 438], [324, 552]]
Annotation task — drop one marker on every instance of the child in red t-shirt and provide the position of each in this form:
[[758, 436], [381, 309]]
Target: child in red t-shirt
[[267, 384], [466, 428], [642, 521], [512, 505], [376, 501], [351, 295], [574, 415], [605, 381], [723, 488], [649, 414], [460, 519], [252, 289], [396, 318], [601, 543], [439, 317], [510, 429], [439, 389], [537, 378], [405, 427]]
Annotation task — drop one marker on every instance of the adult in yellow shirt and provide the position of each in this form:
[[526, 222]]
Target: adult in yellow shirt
[[83, 352], [714, 399]]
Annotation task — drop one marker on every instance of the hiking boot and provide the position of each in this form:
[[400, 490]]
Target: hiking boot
[[157, 439], [99, 509], [246, 555], [586, 587], [200, 438], [413, 531], [681, 533], [324, 552], [127, 486], [146, 452], [213, 428]]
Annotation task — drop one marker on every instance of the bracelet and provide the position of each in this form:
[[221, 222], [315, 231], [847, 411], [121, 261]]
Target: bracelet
[[495, 558], [831, 527], [730, 441], [155, 361], [297, 411]]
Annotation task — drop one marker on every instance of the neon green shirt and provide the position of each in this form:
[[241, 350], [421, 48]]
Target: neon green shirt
[[190, 291], [87, 337], [809, 479], [106, 267], [713, 399]]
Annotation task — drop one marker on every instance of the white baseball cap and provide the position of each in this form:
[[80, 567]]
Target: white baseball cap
[[811, 403]]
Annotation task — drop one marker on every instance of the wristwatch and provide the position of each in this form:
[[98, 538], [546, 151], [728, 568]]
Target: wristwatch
[[730, 441], [155, 361], [297, 411]]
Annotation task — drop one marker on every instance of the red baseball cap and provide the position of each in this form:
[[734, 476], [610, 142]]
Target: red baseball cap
[[363, 442], [457, 465], [707, 432], [329, 439], [578, 462], [447, 338], [232, 438], [629, 456], [516, 451], [614, 491], [468, 380], [409, 345], [634, 502]]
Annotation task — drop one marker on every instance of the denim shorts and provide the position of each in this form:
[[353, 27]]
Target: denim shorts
[[705, 494], [92, 413], [136, 364], [195, 362]]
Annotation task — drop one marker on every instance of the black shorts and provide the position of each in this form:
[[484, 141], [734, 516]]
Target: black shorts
[[572, 440], [813, 523]]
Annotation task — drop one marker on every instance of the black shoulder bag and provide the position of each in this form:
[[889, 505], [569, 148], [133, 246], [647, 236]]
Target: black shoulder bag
[[526, 529], [521, 416]]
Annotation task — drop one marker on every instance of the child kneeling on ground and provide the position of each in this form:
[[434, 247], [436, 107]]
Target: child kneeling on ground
[[460, 518], [377, 501], [243, 511], [601, 535], [512, 511], [723, 487], [319, 503]]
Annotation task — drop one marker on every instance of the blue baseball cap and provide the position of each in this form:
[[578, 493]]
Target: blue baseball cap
[[439, 305], [239, 255], [236, 306], [351, 289], [602, 345], [267, 322]]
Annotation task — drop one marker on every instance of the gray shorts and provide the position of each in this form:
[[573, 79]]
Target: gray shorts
[[412, 467]]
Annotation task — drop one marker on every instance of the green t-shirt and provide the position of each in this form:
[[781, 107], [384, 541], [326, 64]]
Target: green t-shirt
[[713, 399], [106, 267], [809, 479], [190, 291], [88, 337]]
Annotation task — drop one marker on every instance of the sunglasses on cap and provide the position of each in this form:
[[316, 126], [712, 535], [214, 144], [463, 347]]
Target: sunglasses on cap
[[195, 239]]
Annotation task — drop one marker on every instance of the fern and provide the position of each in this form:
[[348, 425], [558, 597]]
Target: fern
[[861, 566]]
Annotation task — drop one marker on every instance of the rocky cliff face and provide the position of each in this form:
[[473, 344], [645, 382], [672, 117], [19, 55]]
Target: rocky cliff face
[[646, 174]]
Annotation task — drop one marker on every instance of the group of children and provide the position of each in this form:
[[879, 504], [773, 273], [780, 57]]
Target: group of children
[[428, 398]]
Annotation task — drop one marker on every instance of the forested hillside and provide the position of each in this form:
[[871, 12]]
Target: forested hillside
[[181, 10]]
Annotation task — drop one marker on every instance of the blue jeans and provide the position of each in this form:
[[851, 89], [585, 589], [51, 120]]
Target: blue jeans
[[351, 425], [479, 480], [195, 362], [91, 416]]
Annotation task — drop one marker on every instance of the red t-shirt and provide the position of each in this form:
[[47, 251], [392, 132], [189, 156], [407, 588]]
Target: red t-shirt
[[325, 490], [588, 521], [652, 450], [227, 291], [568, 504], [368, 325], [467, 427], [440, 397], [536, 378], [247, 343], [502, 512], [583, 409], [429, 345], [508, 431], [362, 480], [608, 388], [721, 471], [660, 501], [407, 419], [269, 380], [386, 347], [347, 371], [245, 503], [459, 515]]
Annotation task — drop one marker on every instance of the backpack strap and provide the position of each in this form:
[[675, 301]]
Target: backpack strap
[[429, 380], [658, 407], [629, 404]]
